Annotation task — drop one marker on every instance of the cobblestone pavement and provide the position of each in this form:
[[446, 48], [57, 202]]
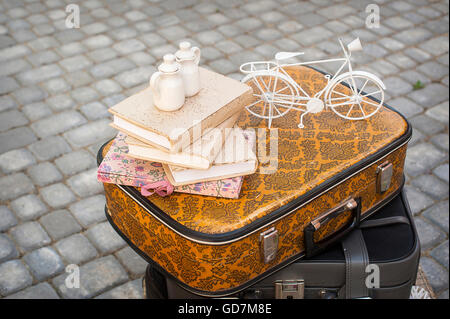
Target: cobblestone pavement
[[57, 83]]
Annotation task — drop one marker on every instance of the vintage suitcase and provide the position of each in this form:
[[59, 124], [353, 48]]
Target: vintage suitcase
[[323, 180], [387, 240]]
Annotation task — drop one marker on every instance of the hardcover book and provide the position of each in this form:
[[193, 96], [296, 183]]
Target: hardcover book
[[199, 155], [119, 168], [219, 98], [236, 158]]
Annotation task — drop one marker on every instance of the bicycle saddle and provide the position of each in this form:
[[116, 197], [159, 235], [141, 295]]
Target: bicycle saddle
[[287, 55]]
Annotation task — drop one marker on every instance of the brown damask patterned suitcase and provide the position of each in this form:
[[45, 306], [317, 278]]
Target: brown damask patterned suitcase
[[329, 175]]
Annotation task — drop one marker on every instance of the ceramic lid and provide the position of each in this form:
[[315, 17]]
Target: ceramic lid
[[185, 52], [169, 65]]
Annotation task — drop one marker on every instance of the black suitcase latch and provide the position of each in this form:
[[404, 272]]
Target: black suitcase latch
[[290, 289]]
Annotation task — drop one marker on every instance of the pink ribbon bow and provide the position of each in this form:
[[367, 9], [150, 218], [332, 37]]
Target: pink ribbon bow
[[162, 188]]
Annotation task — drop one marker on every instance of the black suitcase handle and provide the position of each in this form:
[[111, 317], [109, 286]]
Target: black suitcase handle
[[311, 247]]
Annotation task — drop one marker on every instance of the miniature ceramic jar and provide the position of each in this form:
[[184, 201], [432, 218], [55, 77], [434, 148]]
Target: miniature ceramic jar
[[189, 57], [167, 85]]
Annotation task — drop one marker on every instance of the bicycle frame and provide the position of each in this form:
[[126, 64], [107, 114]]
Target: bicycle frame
[[279, 69]]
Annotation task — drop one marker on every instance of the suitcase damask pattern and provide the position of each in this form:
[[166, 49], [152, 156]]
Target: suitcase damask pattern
[[307, 158]]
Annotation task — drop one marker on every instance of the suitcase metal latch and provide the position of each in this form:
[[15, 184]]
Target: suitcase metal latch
[[269, 244], [290, 289], [384, 176]]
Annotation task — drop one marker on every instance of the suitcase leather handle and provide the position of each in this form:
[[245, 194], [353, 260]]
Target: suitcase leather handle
[[311, 247]]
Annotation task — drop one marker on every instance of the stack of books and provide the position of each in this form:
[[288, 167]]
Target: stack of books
[[196, 149]]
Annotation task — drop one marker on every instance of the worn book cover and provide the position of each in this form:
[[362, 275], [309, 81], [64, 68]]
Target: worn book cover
[[218, 99], [119, 168], [236, 158], [199, 155]]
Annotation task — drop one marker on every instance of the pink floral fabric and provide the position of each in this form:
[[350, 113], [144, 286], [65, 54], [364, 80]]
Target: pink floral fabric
[[118, 168]]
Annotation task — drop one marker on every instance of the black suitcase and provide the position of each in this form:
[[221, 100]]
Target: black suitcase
[[378, 260]]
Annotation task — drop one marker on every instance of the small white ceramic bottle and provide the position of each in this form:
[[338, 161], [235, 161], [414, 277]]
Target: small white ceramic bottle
[[167, 85], [189, 57]]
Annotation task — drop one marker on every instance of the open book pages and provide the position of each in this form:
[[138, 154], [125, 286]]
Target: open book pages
[[199, 155], [236, 158]]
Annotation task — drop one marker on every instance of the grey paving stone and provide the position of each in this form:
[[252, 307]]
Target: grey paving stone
[[75, 162], [123, 33], [60, 102], [13, 277], [84, 94], [429, 235], [427, 125], [436, 46], [406, 107], [26, 95], [41, 291], [90, 210], [432, 186], [442, 172], [6, 103], [16, 160], [209, 37], [173, 33], [90, 133], [76, 249], [7, 219], [440, 253], [30, 236], [398, 23], [58, 123], [105, 238], [223, 66], [396, 86], [57, 195], [113, 99], [40, 74], [129, 46], [130, 290], [28, 207], [412, 77], [49, 148], [433, 70], [98, 41], [431, 95], [12, 67], [85, 183], [152, 39], [113, 67], [44, 263], [60, 224], [95, 277], [71, 49], [7, 84], [8, 250], [439, 112], [36, 111], [436, 275], [134, 263], [441, 141], [402, 61], [418, 201], [422, 158], [43, 57], [413, 36], [311, 36], [42, 43], [142, 58], [75, 63], [12, 186], [417, 54], [107, 87], [13, 52], [438, 214], [268, 34], [79, 78], [44, 174]]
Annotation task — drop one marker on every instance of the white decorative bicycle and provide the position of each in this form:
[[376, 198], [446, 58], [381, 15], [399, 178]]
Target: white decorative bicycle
[[277, 93]]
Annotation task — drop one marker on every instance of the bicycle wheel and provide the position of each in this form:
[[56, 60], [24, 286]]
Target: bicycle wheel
[[274, 94], [356, 97]]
